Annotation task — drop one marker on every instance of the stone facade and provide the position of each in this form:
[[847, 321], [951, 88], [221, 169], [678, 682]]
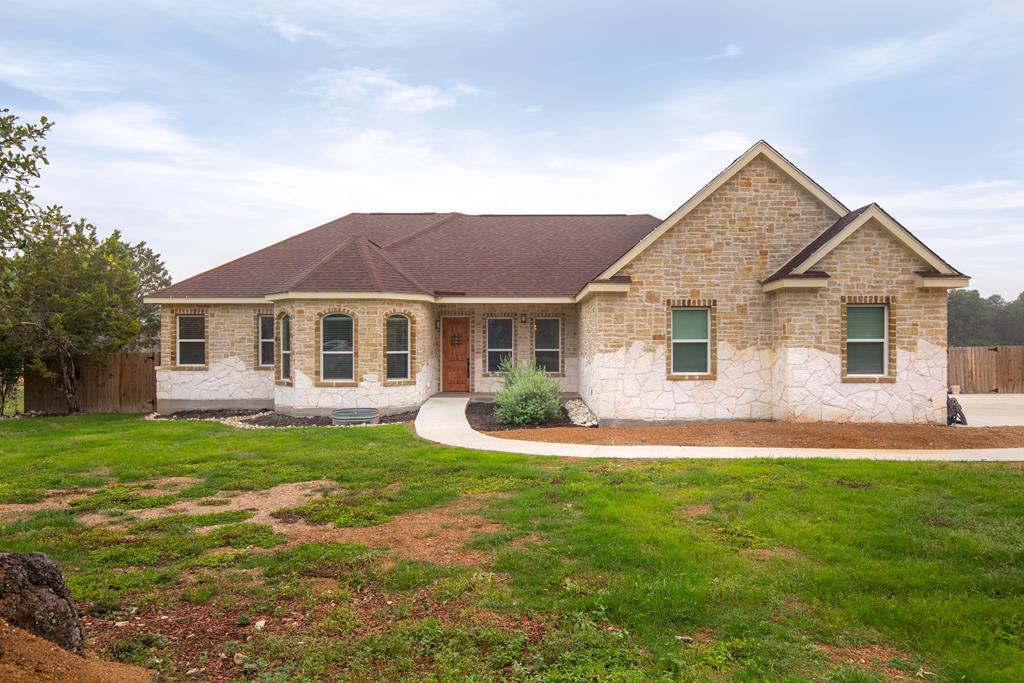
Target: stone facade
[[306, 392], [231, 377], [777, 355], [871, 266], [522, 344]]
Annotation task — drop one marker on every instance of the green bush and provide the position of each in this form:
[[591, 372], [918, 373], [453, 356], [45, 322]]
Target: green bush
[[527, 396]]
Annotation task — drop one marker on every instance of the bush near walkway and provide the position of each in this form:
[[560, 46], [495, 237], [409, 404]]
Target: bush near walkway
[[528, 396], [598, 570]]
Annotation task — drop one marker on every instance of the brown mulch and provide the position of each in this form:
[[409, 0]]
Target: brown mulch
[[782, 435], [25, 658], [480, 416]]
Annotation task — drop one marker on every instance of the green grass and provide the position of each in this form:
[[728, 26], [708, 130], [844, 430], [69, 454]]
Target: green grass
[[612, 560]]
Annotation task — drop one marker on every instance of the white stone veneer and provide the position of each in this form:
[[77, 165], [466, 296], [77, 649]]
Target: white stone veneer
[[230, 379], [305, 397], [796, 384], [630, 384], [809, 388]]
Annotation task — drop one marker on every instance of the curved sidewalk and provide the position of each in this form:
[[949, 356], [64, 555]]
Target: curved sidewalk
[[443, 419]]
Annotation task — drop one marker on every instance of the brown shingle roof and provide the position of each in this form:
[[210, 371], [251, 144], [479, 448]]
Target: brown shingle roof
[[488, 255]]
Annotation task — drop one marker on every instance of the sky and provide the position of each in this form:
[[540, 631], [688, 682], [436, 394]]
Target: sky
[[210, 128]]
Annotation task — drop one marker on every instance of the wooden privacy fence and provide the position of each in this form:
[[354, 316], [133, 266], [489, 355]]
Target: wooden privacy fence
[[126, 383], [987, 369]]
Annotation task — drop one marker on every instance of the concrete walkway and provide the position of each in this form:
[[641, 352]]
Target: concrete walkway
[[993, 410], [443, 419]]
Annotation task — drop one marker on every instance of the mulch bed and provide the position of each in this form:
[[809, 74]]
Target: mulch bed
[[481, 418], [264, 419], [781, 435]]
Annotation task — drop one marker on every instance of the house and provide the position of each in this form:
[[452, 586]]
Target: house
[[762, 296]]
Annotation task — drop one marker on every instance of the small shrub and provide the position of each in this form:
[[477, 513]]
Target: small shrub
[[527, 396]]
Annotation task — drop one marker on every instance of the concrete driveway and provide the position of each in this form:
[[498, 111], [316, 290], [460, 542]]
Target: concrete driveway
[[993, 410]]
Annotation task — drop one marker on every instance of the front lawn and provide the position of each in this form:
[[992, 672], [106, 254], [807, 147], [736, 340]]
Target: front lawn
[[366, 553]]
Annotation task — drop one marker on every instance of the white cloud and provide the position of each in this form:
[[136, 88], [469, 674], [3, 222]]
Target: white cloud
[[294, 32], [533, 109], [359, 85], [730, 51], [54, 74], [125, 127]]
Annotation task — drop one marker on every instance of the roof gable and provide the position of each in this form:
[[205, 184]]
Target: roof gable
[[760, 148], [834, 235]]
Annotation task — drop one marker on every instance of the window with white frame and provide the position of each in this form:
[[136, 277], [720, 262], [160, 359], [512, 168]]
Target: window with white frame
[[286, 347], [867, 343], [266, 341], [337, 347], [191, 340], [499, 342], [691, 341], [547, 344], [397, 332]]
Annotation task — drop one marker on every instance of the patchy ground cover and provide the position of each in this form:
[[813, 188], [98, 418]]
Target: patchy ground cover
[[779, 435], [205, 552]]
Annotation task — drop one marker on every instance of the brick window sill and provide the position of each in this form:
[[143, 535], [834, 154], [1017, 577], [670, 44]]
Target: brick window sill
[[328, 385], [192, 368], [399, 382], [264, 368], [855, 379], [283, 382], [707, 377]]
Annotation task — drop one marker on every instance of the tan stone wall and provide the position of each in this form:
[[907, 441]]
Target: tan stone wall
[[870, 266], [307, 392], [480, 380], [720, 251], [232, 371], [766, 343]]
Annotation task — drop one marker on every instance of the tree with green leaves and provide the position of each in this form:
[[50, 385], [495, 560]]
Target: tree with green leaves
[[21, 157], [977, 321], [71, 294], [152, 275]]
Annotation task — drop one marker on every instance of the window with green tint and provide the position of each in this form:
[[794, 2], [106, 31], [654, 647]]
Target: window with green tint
[[866, 341], [691, 341], [397, 333]]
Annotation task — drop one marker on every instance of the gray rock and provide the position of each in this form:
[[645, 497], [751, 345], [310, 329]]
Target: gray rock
[[34, 597]]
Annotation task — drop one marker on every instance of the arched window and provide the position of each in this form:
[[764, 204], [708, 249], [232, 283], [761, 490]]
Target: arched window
[[397, 355], [286, 347], [337, 346]]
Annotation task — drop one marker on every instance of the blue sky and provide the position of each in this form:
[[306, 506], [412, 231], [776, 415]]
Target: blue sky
[[212, 128]]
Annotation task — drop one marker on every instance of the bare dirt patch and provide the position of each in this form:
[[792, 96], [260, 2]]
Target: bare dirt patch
[[771, 553], [695, 511], [437, 535], [25, 658], [870, 657], [261, 503], [52, 500], [781, 435]]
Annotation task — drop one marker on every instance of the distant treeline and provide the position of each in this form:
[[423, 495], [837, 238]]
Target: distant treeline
[[977, 321]]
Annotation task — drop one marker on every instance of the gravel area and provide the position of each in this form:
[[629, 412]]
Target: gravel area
[[207, 414], [250, 419], [781, 435], [480, 415]]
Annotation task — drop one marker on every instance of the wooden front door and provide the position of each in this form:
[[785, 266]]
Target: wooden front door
[[455, 354]]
